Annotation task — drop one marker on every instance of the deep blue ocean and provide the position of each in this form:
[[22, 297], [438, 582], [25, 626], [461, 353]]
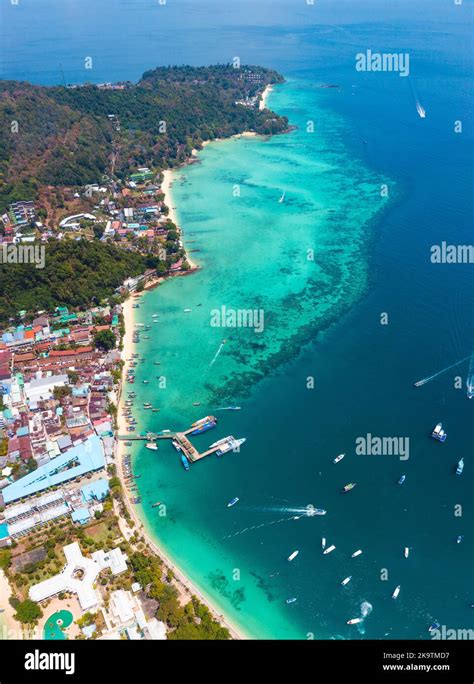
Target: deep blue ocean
[[364, 370]]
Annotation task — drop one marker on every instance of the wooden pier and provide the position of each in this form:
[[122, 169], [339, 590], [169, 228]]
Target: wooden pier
[[187, 449]]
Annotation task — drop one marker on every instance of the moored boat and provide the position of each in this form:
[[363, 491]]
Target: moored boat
[[206, 419], [185, 462], [204, 427], [329, 549], [152, 446], [438, 433]]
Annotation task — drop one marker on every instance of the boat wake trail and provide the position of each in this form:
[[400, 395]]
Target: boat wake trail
[[297, 513], [470, 379], [419, 383], [258, 527], [221, 346]]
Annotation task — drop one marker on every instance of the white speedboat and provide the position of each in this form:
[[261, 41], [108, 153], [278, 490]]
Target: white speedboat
[[329, 549], [152, 446], [339, 458], [293, 555], [323, 543], [356, 553], [396, 592], [346, 580], [354, 621], [406, 551]]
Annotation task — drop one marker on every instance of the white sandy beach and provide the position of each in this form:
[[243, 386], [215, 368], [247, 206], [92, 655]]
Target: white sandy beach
[[9, 627], [166, 189], [265, 94]]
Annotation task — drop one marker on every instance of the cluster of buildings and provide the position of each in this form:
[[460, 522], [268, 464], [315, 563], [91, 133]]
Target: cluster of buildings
[[19, 222], [123, 613], [56, 389]]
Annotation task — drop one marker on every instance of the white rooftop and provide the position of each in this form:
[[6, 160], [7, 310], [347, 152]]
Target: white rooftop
[[78, 576]]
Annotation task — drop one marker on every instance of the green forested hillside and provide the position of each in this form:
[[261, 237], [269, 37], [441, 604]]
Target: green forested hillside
[[76, 274], [65, 137]]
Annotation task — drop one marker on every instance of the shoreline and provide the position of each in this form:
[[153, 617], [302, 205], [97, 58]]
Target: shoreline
[[166, 189], [265, 94], [7, 620], [181, 579]]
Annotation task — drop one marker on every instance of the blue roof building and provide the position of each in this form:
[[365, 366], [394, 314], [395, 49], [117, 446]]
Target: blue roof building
[[95, 491], [76, 462], [81, 515]]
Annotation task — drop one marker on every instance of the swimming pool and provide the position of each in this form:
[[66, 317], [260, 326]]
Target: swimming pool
[[56, 624]]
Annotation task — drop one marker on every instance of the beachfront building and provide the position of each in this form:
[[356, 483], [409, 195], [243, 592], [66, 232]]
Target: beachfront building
[[78, 576], [86, 457], [125, 617]]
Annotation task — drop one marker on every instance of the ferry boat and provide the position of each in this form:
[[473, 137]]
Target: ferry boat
[[203, 428], [406, 552], [219, 441], [396, 592], [206, 419], [233, 502], [339, 458], [329, 549], [152, 446], [357, 553], [290, 600], [293, 555], [354, 621], [348, 487], [438, 433], [460, 467], [402, 479], [231, 444], [346, 581], [185, 462]]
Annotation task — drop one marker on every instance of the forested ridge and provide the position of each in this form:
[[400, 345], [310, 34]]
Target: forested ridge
[[75, 274], [63, 137]]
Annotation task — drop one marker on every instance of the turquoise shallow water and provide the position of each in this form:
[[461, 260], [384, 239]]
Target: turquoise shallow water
[[321, 321], [254, 252]]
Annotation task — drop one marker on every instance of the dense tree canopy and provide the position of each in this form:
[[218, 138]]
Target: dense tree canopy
[[64, 137], [76, 273]]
